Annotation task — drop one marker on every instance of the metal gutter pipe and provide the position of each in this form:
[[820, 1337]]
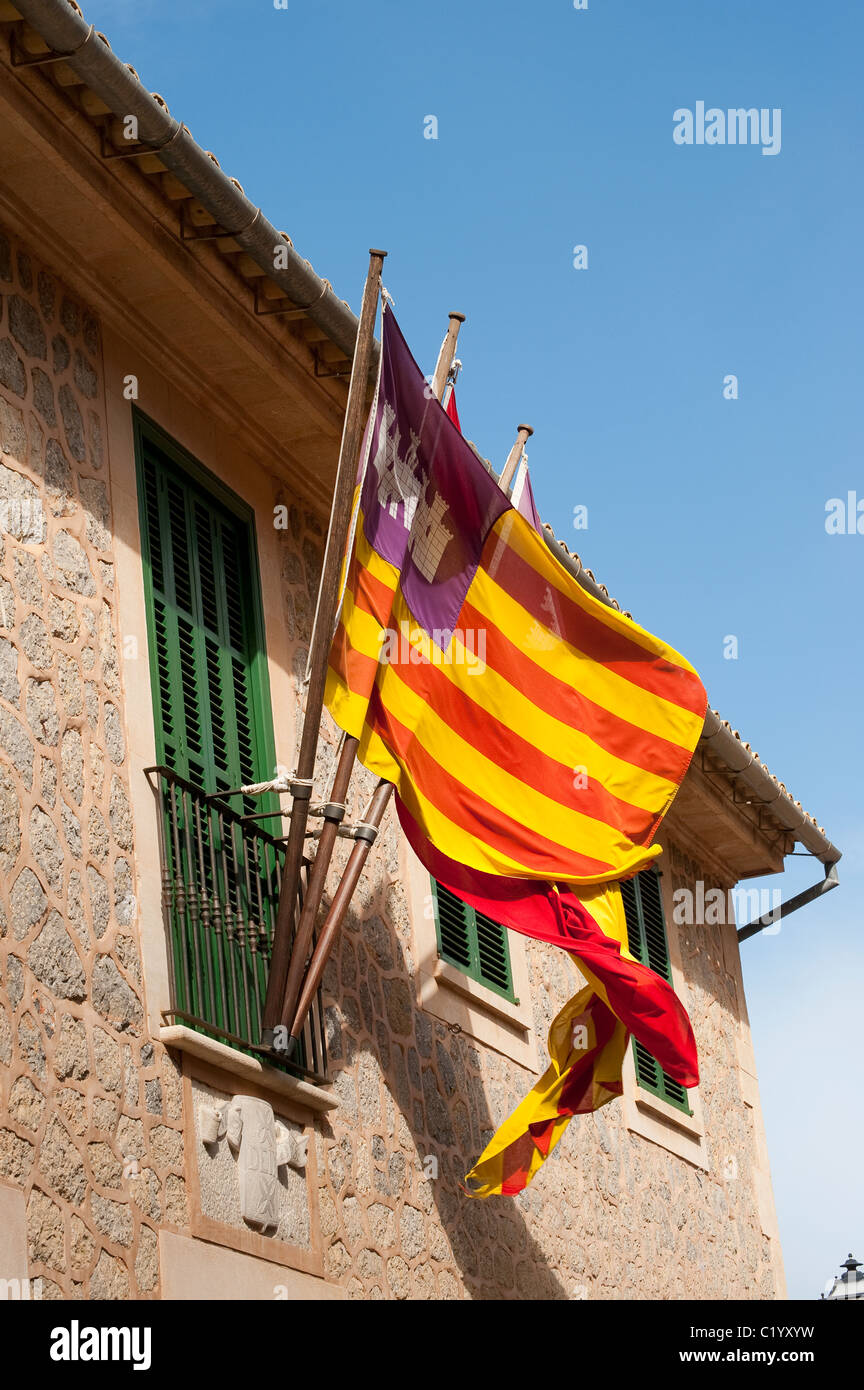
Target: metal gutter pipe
[[831, 880]]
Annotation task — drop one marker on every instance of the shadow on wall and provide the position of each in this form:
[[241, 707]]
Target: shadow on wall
[[379, 1149]]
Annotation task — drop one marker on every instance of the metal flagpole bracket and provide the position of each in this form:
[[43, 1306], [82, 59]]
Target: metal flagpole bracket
[[357, 830], [300, 788], [294, 310], [330, 810], [190, 231]]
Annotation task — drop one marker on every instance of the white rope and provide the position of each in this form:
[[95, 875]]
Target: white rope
[[285, 782]]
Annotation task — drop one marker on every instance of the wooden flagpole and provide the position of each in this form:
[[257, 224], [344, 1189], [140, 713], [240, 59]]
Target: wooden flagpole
[[366, 832], [328, 600], [508, 473], [446, 355]]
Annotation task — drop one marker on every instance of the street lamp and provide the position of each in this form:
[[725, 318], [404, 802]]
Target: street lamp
[[847, 1285]]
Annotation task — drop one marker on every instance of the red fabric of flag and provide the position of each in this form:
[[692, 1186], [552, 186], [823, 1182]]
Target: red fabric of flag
[[647, 1006]]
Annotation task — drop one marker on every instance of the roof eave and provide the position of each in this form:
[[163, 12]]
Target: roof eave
[[64, 30]]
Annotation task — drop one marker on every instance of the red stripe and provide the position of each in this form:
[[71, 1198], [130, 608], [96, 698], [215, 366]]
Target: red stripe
[[370, 594], [646, 1005], [564, 702], [357, 670], [578, 1095], [613, 649], [461, 804], [503, 746], [515, 1161], [519, 903]]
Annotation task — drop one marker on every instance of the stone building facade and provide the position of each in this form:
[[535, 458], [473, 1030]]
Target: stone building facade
[[119, 1174], [92, 1107]]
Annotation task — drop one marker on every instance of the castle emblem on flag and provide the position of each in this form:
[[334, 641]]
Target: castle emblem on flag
[[399, 482], [408, 497], [429, 536]]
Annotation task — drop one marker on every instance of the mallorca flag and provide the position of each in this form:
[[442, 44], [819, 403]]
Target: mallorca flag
[[535, 737]]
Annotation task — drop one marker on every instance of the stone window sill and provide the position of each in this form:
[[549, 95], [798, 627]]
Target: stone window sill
[[480, 1013], [508, 1009], [464, 1004], [654, 1119], [249, 1069]]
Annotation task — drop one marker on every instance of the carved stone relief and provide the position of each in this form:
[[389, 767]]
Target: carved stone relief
[[258, 1173]]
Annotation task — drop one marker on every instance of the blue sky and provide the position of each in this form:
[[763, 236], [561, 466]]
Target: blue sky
[[706, 515]]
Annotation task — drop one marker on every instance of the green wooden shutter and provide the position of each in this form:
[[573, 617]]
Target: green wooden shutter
[[212, 703], [646, 937], [473, 942]]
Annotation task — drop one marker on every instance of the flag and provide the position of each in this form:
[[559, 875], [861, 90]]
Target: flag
[[621, 997], [522, 495], [535, 737], [450, 407]]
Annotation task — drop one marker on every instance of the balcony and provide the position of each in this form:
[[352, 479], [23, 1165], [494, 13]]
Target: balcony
[[221, 876]]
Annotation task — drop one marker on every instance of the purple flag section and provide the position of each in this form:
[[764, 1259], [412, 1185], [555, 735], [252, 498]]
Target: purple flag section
[[522, 497], [428, 503]]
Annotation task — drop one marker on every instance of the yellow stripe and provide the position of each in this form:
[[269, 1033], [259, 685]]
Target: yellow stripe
[[516, 532], [491, 693], [365, 633], [524, 804], [378, 567], [349, 712], [564, 662]]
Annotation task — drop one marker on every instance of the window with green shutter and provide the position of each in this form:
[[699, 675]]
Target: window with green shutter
[[646, 937], [473, 942], [221, 865], [211, 693]]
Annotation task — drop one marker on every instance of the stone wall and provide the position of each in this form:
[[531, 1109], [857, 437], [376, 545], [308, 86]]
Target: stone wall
[[90, 1109]]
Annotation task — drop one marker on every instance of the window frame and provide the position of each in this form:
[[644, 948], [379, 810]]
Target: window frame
[[663, 1087], [447, 994], [647, 1115], [261, 708], [474, 969], [216, 1036]]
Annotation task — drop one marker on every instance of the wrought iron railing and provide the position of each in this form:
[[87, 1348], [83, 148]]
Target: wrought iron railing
[[221, 876]]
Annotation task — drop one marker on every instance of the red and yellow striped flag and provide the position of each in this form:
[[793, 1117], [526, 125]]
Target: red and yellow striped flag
[[535, 737]]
